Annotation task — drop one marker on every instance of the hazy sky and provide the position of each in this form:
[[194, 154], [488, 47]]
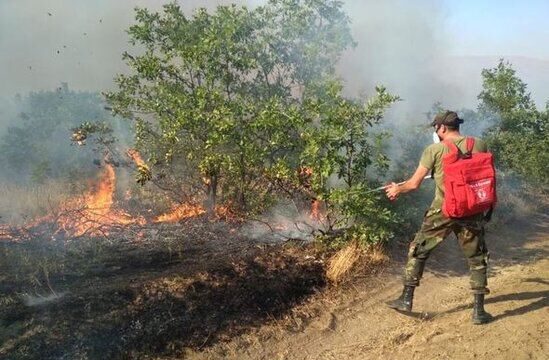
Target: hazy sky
[[499, 27], [43, 43]]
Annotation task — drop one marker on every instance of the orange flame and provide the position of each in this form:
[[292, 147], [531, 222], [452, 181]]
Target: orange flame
[[189, 210], [316, 210], [95, 213], [226, 212], [136, 157], [5, 233], [181, 212], [101, 201]]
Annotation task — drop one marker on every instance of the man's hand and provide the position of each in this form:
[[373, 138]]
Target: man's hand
[[392, 191]]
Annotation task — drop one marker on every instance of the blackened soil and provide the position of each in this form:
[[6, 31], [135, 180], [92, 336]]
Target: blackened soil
[[146, 292]]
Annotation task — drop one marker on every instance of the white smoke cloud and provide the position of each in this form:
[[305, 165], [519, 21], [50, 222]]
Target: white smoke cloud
[[400, 45]]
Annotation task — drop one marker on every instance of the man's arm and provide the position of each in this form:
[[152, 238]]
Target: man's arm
[[393, 190]]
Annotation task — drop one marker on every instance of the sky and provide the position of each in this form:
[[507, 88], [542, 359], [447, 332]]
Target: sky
[[401, 42], [499, 27]]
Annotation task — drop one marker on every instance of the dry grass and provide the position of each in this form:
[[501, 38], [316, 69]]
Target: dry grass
[[20, 203], [376, 255], [342, 262], [354, 256]]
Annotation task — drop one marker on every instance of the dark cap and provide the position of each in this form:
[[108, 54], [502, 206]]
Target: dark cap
[[449, 118]]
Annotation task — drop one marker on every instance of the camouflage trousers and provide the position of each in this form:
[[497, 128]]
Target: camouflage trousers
[[435, 228]]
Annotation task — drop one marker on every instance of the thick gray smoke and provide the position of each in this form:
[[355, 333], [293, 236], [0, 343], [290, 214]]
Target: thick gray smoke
[[402, 44]]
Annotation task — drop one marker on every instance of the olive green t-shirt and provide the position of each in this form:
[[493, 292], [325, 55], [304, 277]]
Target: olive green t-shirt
[[432, 159]]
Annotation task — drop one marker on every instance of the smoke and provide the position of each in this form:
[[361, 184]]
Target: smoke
[[37, 300], [79, 43], [404, 45], [43, 43], [284, 222], [401, 45], [409, 47]]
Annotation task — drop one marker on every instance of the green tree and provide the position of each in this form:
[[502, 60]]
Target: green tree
[[235, 104], [520, 136], [340, 149], [221, 92], [36, 144]]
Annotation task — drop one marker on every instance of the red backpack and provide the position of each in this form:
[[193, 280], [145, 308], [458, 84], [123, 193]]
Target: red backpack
[[469, 181]]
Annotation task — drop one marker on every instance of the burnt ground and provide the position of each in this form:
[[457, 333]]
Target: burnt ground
[[161, 290], [199, 290]]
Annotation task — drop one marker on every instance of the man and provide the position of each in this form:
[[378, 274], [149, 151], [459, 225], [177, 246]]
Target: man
[[436, 226]]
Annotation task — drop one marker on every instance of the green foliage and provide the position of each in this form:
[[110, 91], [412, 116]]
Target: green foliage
[[340, 149], [520, 136], [504, 96], [36, 145], [339, 142], [366, 215], [220, 87], [102, 131], [240, 103], [409, 141]]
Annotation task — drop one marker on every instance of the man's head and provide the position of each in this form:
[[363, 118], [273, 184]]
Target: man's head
[[446, 123]]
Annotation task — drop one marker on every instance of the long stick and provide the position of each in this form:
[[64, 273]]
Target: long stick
[[384, 186]]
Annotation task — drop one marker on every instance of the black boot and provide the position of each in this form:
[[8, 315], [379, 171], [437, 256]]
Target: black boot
[[404, 302], [479, 315]]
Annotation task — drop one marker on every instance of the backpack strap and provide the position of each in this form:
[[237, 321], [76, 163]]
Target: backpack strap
[[470, 144], [451, 146]]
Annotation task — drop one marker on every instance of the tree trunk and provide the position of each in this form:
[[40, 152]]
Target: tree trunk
[[241, 199], [211, 195]]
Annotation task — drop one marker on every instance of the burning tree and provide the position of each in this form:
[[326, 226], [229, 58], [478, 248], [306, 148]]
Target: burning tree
[[230, 106]]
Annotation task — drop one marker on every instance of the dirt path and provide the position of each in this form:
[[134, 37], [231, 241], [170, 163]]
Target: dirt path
[[359, 326]]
